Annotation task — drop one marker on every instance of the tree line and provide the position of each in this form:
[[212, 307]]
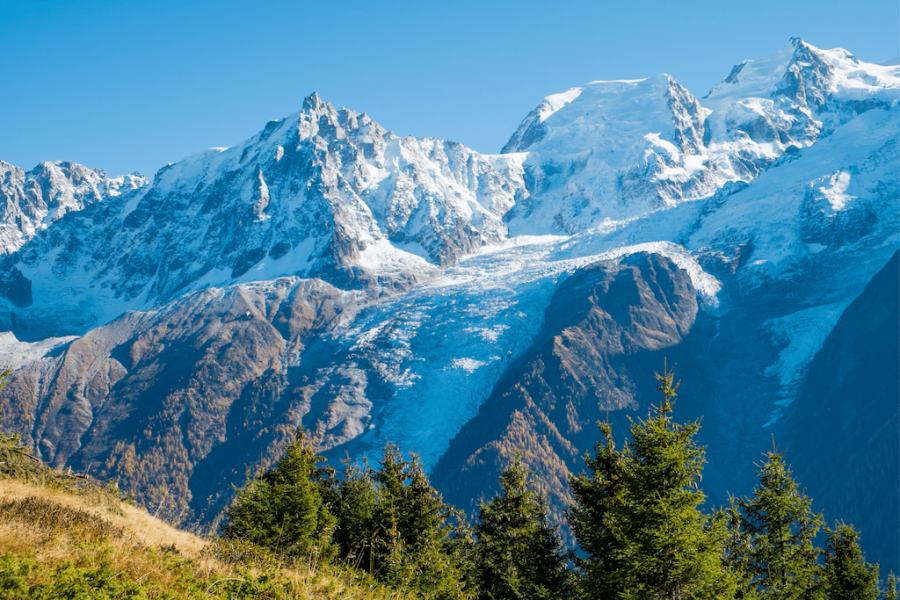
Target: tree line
[[637, 518]]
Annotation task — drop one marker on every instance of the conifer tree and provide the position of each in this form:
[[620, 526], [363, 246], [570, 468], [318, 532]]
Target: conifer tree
[[518, 553], [778, 520], [637, 515], [847, 575], [738, 548], [596, 519], [393, 524], [13, 439], [284, 509], [417, 526], [891, 592], [357, 532]]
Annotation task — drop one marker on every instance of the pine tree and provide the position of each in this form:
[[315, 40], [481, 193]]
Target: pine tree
[[847, 575], [518, 553], [778, 519], [284, 509], [738, 547], [10, 439], [890, 593], [637, 514], [394, 525], [357, 532], [596, 519]]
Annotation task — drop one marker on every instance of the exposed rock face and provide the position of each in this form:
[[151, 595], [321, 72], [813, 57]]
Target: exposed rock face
[[603, 331], [845, 424], [35, 199], [180, 403], [323, 193]]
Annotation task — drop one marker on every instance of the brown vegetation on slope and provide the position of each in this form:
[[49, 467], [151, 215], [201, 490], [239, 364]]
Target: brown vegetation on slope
[[179, 404], [605, 323]]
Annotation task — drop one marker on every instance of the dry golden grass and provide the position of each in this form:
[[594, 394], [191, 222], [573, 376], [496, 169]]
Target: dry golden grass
[[48, 523], [134, 526], [56, 526]]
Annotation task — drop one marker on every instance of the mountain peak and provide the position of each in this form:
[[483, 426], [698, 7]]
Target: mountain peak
[[587, 103], [761, 77], [36, 199], [806, 77], [314, 102]]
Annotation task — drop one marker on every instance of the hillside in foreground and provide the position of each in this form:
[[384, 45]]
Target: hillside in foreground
[[64, 536]]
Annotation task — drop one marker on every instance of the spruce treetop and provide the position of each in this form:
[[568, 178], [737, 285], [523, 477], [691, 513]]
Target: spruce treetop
[[637, 513]]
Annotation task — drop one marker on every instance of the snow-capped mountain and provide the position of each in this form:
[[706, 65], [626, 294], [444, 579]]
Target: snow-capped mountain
[[612, 150], [620, 149], [322, 193], [34, 200], [380, 288]]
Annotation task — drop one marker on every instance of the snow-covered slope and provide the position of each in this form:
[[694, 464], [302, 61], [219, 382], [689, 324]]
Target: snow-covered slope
[[790, 99], [321, 193], [35, 199], [610, 150], [614, 150]]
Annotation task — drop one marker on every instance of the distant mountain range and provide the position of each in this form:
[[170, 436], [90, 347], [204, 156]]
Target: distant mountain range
[[172, 333]]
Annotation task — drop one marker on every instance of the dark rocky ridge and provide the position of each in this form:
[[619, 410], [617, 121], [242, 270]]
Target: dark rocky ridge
[[606, 330], [845, 424], [610, 326]]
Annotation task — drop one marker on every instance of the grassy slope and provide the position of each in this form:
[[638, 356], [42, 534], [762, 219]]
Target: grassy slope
[[62, 536]]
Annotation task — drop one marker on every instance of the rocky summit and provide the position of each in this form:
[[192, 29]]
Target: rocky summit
[[171, 334]]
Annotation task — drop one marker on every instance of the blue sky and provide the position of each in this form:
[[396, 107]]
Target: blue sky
[[128, 86]]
